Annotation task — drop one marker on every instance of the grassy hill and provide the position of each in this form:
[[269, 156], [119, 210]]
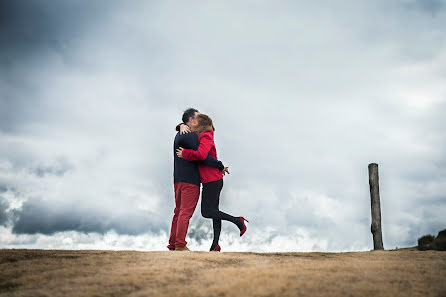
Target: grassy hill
[[404, 272]]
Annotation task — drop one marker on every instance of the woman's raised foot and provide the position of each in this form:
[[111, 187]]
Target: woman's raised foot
[[244, 226]]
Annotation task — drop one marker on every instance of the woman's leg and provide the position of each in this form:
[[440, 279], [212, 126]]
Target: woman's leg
[[216, 223], [210, 198]]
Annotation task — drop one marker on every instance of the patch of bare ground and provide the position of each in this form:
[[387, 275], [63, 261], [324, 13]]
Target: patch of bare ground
[[405, 272]]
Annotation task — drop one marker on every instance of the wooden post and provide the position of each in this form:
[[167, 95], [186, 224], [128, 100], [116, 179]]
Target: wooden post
[[376, 207]]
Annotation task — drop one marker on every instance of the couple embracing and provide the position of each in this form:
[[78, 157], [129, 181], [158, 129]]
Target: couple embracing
[[195, 162]]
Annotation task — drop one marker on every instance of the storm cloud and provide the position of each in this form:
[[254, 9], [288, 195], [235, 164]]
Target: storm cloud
[[4, 205], [303, 95], [37, 216]]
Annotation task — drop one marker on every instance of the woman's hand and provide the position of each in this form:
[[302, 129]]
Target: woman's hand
[[184, 129], [224, 171], [180, 152]]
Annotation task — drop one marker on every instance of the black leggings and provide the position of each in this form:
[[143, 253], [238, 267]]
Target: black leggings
[[210, 199]]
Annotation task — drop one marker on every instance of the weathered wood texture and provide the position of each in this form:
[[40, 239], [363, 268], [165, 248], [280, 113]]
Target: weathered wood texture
[[376, 207]]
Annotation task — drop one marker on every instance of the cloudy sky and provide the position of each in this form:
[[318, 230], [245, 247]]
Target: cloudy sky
[[304, 95]]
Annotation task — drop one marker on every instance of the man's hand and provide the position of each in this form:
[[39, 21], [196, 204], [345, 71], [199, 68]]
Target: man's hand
[[184, 129], [180, 152], [224, 171]]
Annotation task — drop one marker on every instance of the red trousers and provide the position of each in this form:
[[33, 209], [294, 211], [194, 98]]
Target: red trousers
[[186, 199]]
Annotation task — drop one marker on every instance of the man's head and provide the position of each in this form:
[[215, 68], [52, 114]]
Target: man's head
[[188, 115]]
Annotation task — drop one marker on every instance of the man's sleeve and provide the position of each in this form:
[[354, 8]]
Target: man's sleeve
[[187, 141], [212, 162]]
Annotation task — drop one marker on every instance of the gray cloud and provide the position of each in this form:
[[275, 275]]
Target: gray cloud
[[59, 168], [31, 33], [304, 96], [4, 205], [429, 6], [35, 26], [200, 230], [37, 216]]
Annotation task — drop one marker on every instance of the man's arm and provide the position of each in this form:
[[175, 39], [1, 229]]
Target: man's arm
[[212, 162], [182, 128]]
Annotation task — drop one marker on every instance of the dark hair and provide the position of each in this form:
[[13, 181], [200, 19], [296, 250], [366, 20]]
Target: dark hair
[[204, 124], [188, 113]]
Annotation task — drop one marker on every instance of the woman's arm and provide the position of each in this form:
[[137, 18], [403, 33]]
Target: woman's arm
[[182, 128], [204, 146]]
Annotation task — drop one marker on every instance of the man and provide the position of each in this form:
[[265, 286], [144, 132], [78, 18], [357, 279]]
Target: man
[[186, 184]]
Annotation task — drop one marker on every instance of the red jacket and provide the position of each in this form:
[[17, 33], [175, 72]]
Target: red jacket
[[206, 146]]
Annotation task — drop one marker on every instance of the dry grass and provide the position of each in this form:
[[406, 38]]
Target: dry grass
[[405, 272]]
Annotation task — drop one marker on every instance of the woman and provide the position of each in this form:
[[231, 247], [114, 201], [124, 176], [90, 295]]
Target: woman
[[211, 178]]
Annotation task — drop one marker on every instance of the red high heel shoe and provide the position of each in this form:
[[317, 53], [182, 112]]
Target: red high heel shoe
[[217, 248], [244, 226]]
